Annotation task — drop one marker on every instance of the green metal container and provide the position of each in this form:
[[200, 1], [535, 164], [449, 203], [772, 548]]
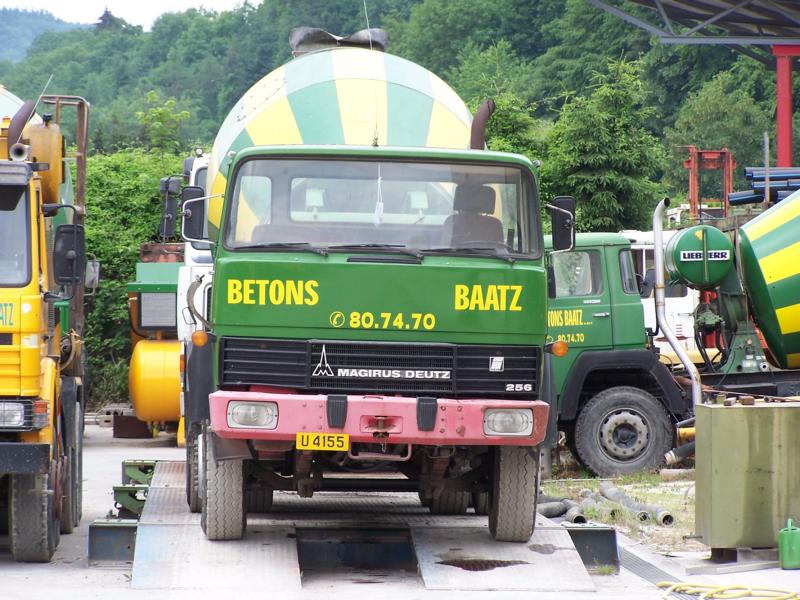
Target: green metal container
[[789, 547], [748, 473], [769, 247], [700, 256]]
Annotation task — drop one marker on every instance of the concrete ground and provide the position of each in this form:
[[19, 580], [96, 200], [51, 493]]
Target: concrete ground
[[70, 576]]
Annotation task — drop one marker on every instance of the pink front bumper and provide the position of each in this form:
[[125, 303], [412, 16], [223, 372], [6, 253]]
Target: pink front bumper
[[458, 422]]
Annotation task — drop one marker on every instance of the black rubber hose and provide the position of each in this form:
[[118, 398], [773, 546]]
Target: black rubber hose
[[676, 455], [551, 509]]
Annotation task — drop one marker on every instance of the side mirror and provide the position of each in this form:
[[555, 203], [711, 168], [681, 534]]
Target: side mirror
[[193, 204], [562, 211], [91, 279], [69, 253], [170, 185], [648, 283], [169, 217]]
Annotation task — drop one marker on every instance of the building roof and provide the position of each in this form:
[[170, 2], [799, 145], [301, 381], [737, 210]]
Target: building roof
[[727, 22]]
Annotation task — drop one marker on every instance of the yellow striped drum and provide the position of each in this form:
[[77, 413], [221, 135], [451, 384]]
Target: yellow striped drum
[[341, 96], [770, 251]]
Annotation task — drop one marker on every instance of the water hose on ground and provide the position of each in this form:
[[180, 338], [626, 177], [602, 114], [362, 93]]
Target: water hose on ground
[[711, 591]]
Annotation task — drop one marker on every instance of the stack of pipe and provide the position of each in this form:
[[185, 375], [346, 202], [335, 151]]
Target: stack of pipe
[[783, 181], [643, 512], [551, 507], [610, 503]]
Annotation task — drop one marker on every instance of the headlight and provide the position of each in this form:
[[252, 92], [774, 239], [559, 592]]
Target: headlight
[[508, 421], [12, 414], [261, 415]]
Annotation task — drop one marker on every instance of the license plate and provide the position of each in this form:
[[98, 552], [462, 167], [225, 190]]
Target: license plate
[[332, 442]]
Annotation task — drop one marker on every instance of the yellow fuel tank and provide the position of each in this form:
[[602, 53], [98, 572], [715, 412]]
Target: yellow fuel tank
[[154, 380], [47, 146]]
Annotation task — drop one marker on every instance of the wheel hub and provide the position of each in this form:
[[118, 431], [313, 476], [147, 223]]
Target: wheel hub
[[624, 434]]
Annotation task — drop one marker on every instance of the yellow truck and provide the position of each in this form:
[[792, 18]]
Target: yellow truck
[[42, 286]]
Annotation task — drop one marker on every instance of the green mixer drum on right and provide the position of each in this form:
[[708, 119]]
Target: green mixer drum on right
[[770, 252]]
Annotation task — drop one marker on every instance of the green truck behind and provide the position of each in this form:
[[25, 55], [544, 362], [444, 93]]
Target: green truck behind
[[617, 404]]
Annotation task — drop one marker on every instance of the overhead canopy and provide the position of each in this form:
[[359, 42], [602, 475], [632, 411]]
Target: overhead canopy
[[728, 22]]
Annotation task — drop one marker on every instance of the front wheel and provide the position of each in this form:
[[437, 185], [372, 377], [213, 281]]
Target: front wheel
[[35, 528], [623, 430], [192, 477], [515, 488], [223, 515]]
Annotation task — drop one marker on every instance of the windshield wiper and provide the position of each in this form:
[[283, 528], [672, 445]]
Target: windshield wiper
[[474, 251], [291, 246], [393, 248]]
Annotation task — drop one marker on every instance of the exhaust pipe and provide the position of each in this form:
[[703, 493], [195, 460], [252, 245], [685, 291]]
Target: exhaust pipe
[[18, 122], [18, 152], [661, 318], [477, 136]]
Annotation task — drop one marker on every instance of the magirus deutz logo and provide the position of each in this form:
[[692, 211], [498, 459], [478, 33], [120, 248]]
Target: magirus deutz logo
[[324, 369]]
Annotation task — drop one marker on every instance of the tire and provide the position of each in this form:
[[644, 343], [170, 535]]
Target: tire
[[67, 521], [480, 503], [192, 477], [450, 503], [515, 488], [79, 427], [623, 430], [223, 515], [259, 500], [34, 529], [73, 469]]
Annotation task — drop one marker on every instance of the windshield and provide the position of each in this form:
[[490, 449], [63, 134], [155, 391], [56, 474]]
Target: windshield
[[421, 206], [15, 267]]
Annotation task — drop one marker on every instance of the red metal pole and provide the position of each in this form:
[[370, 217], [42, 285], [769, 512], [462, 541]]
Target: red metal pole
[[784, 56]]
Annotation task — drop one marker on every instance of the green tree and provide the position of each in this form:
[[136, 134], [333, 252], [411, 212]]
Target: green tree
[[583, 40], [162, 122], [123, 210], [437, 30], [485, 72], [722, 114], [600, 152]]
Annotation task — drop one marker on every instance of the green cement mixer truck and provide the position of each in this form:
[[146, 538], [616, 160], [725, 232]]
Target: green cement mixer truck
[[379, 296]]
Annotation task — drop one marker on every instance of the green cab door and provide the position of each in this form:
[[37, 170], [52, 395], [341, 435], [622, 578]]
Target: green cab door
[[580, 314]]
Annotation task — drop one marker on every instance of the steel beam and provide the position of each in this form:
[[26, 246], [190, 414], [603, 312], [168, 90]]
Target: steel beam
[[784, 97]]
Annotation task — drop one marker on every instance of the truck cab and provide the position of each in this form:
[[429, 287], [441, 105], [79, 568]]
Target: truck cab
[[617, 403], [374, 306]]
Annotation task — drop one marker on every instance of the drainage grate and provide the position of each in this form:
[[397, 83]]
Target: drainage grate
[[648, 571]]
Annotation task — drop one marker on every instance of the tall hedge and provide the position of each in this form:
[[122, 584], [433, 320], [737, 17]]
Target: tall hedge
[[122, 211]]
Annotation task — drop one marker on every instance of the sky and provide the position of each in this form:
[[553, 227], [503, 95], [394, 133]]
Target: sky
[[138, 12]]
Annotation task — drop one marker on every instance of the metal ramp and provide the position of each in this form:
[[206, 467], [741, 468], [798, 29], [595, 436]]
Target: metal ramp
[[452, 553]]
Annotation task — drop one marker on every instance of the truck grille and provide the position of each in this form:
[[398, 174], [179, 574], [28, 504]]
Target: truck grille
[[463, 370]]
